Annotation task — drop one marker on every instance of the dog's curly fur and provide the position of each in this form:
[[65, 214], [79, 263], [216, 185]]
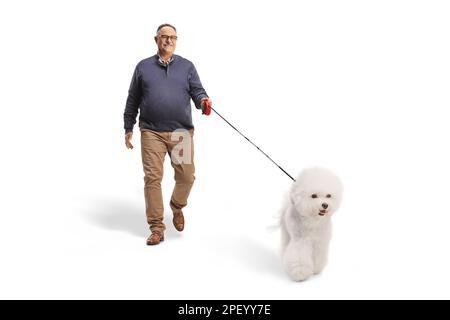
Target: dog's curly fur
[[306, 222]]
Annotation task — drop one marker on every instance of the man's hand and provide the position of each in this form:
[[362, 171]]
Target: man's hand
[[206, 104], [128, 137]]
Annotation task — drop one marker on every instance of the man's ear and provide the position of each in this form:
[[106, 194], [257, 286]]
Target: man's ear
[[156, 39]]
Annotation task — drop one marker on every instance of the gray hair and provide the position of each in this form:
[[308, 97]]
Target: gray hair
[[165, 25]]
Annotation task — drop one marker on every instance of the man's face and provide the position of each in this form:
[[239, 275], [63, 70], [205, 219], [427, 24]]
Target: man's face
[[166, 40]]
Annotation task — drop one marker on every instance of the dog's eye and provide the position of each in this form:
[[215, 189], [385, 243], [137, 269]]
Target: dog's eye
[[328, 195], [314, 196]]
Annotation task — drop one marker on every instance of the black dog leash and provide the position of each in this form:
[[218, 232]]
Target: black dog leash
[[253, 144]]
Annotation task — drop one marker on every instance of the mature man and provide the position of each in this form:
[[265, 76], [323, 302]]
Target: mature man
[[161, 89]]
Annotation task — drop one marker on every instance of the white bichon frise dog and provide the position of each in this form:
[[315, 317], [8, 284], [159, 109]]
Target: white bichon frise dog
[[306, 222]]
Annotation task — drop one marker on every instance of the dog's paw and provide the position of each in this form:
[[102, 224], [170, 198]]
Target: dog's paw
[[300, 272], [319, 265], [318, 270]]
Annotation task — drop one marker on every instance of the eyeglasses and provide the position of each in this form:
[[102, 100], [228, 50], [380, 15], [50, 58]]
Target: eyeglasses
[[166, 37]]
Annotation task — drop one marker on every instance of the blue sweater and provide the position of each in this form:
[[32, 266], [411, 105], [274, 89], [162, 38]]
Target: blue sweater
[[162, 94]]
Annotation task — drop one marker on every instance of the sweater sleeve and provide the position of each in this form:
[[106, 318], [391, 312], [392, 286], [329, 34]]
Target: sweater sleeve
[[133, 101], [196, 90]]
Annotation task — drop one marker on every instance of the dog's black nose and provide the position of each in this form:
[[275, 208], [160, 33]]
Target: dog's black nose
[[325, 205]]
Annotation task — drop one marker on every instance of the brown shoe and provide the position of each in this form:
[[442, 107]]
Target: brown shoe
[[155, 238], [178, 220]]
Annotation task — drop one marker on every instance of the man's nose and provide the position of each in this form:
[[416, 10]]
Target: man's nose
[[324, 205]]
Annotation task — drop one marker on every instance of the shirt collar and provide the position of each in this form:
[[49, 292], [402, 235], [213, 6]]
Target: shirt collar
[[164, 63]]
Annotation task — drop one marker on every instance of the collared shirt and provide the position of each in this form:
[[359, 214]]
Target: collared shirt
[[163, 62]]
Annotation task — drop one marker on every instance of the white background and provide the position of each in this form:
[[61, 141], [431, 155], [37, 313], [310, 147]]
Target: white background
[[360, 87]]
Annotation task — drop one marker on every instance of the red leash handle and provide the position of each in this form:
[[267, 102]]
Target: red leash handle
[[207, 107]]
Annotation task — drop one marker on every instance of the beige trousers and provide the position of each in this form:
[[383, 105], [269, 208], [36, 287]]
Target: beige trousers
[[154, 146]]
